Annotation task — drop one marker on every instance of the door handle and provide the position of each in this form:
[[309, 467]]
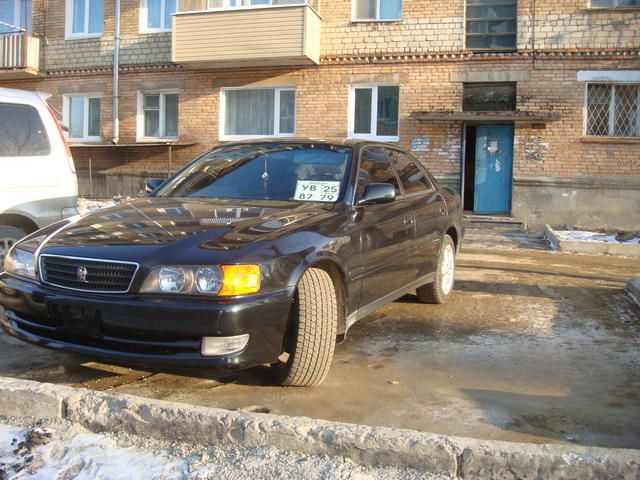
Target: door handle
[[408, 220]]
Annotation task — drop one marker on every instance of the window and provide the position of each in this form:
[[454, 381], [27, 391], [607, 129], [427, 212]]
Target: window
[[258, 112], [613, 110], [412, 178], [82, 115], [84, 18], [489, 97], [12, 16], [155, 15], [22, 133], [373, 112], [377, 9], [614, 3], [158, 115], [375, 168], [491, 24]]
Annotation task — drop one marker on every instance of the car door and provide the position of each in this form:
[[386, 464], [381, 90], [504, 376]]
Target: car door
[[386, 231], [429, 211]]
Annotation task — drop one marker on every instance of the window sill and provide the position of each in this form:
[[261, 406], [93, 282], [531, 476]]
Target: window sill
[[373, 20], [78, 142], [610, 140], [374, 138], [234, 138], [611, 9], [160, 141], [151, 32], [83, 37]]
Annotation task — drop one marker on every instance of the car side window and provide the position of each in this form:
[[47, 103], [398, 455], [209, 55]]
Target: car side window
[[412, 177], [22, 133], [375, 168]]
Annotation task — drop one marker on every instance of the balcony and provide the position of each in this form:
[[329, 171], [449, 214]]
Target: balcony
[[253, 36], [19, 55]]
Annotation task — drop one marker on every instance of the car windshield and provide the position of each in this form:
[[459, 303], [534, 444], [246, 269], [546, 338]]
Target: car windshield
[[269, 171]]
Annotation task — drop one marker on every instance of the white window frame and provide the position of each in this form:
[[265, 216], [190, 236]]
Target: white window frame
[[226, 5], [276, 114], [355, 19], [66, 116], [612, 108], [140, 136], [144, 17], [374, 113], [69, 35], [617, 7], [17, 14]]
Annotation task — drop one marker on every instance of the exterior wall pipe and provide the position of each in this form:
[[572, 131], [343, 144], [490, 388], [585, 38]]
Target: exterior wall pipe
[[116, 74]]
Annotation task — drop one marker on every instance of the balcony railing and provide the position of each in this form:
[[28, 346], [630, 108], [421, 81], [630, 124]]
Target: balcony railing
[[216, 34], [19, 54]]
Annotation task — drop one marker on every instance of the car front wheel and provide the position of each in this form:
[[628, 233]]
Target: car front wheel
[[311, 337], [439, 291]]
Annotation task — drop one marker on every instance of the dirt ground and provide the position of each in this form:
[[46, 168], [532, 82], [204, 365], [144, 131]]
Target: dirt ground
[[534, 346]]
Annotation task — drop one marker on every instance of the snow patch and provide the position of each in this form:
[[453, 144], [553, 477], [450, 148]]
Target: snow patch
[[586, 236]]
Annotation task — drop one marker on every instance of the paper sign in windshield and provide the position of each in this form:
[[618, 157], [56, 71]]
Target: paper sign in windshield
[[317, 191]]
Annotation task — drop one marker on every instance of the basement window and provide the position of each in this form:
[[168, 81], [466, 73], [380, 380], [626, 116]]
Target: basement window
[[81, 113], [257, 112], [491, 24], [613, 110]]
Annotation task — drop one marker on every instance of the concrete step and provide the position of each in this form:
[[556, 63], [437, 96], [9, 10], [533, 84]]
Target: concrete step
[[495, 223]]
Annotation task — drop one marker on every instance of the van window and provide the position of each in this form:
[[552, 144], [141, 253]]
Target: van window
[[22, 133]]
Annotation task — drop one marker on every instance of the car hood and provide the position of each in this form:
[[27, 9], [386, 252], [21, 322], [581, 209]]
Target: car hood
[[213, 224]]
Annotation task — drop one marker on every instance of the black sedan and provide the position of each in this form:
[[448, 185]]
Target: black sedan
[[254, 253]]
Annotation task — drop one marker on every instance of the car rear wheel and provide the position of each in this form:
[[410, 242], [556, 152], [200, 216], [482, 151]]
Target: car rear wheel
[[311, 337], [439, 291], [8, 236]]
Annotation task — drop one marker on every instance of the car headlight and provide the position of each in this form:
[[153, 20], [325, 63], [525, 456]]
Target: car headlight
[[225, 281], [20, 262]]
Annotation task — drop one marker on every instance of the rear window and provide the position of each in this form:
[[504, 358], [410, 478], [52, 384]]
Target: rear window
[[22, 133]]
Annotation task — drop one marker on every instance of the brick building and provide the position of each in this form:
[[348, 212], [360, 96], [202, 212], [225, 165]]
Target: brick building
[[529, 107]]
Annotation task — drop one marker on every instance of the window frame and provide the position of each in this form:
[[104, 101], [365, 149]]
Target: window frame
[[355, 19], [374, 113], [140, 136], [144, 17], [276, 113], [501, 49], [66, 116], [69, 33], [613, 7], [611, 112]]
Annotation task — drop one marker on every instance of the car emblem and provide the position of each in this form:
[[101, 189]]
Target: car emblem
[[81, 274]]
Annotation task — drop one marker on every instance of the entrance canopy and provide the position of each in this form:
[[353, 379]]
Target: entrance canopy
[[499, 116]]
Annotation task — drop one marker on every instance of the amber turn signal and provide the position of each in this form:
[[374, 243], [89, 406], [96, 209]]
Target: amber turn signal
[[240, 280]]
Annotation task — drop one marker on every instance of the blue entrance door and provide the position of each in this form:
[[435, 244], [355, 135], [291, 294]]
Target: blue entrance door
[[494, 159]]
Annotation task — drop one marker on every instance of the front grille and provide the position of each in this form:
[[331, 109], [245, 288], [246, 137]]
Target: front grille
[[86, 274]]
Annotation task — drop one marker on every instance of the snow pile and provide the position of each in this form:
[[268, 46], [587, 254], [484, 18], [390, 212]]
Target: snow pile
[[586, 236], [64, 450]]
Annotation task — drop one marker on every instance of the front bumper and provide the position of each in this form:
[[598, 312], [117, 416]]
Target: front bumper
[[144, 329]]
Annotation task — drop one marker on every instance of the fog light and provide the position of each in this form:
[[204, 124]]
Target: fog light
[[224, 345]]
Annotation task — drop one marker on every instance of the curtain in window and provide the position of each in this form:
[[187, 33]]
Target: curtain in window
[[76, 117], [249, 112], [287, 111], [171, 115], [362, 114], [388, 98], [151, 111], [94, 117]]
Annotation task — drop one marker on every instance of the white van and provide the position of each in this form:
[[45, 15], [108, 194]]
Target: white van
[[38, 182]]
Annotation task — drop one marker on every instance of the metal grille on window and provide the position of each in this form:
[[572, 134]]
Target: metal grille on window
[[613, 110]]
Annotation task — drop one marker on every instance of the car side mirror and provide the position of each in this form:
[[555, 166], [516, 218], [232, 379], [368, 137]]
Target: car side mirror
[[377, 193], [153, 184]]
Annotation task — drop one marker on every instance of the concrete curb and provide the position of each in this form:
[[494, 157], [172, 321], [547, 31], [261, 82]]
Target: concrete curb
[[377, 446], [633, 287], [598, 248]]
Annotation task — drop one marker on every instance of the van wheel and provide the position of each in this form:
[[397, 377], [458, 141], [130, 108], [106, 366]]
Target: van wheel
[[439, 291], [311, 339], [8, 236]]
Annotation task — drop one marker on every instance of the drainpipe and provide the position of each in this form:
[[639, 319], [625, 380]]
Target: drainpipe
[[116, 74]]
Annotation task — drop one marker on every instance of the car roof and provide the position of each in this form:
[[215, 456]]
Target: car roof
[[348, 142], [13, 94]]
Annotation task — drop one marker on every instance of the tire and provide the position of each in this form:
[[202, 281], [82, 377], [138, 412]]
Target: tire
[[440, 290], [312, 332], [8, 236]]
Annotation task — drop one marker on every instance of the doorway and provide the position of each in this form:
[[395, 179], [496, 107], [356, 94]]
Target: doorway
[[487, 168]]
